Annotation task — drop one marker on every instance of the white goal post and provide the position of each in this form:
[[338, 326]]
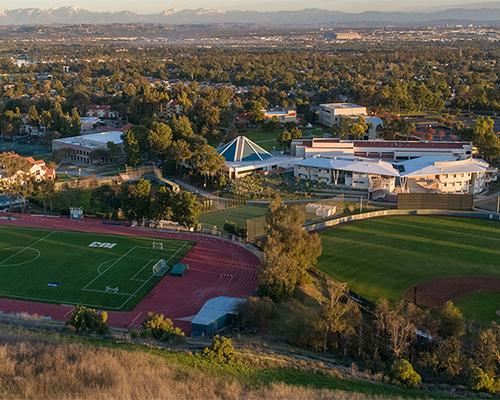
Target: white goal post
[[160, 268], [157, 245]]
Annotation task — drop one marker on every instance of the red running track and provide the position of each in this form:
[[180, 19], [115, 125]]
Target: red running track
[[217, 267]]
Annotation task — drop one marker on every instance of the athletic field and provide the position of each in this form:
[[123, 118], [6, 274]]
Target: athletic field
[[445, 257], [98, 270]]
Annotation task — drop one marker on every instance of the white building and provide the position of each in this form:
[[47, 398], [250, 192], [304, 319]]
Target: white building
[[88, 123], [435, 174], [36, 170], [349, 172], [445, 175], [84, 147]]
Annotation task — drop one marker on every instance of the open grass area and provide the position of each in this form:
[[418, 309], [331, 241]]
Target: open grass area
[[384, 257], [103, 271], [236, 215], [481, 307], [267, 139], [166, 374]]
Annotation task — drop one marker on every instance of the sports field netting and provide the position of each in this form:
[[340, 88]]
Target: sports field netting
[[103, 271]]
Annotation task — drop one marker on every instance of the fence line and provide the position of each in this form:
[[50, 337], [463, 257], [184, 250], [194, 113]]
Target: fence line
[[387, 213]]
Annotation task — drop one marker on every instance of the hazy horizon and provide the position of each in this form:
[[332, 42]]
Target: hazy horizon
[[152, 6]]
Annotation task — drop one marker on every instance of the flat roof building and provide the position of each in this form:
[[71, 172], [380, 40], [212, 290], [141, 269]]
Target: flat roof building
[[383, 149], [84, 146]]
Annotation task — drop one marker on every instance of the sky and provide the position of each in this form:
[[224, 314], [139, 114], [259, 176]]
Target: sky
[[150, 6]]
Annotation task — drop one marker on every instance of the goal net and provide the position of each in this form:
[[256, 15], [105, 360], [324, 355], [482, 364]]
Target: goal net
[[157, 245], [160, 268]]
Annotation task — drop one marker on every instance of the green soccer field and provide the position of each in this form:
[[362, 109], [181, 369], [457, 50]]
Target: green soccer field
[[102, 271], [383, 257]]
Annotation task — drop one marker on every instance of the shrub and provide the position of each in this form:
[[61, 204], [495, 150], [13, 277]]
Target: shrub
[[256, 313], [403, 371], [88, 320], [452, 321], [221, 350], [481, 381], [160, 328]]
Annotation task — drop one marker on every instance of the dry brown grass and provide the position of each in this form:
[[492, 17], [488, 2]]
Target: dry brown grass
[[34, 367]]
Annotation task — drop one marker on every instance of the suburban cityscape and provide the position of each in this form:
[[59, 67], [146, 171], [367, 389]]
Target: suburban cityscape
[[257, 201]]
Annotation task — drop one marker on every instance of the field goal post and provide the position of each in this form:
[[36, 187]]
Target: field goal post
[[157, 246], [160, 268]]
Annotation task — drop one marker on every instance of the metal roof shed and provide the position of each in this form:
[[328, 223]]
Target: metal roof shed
[[214, 315]]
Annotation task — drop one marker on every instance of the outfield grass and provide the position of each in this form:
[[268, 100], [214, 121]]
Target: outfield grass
[[60, 267], [383, 257], [237, 215], [481, 307]]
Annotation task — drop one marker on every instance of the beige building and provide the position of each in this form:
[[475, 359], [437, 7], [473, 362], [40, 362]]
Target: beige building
[[332, 113]]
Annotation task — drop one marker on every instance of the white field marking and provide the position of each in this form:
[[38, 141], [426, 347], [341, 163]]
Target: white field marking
[[103, 245], [104, 263], [55, 301], [136, 318], [99, 274], [152, 276], [103, 291], [38, 254], [142, 269], [27, 247]]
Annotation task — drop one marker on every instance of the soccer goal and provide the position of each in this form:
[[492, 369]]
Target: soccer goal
[[157, 245], [160, 268]]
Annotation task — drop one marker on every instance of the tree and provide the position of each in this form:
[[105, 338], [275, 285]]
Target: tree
[[403, 371], [181, 127], [486, 349], [338, 317], [446, 357], [33, 116], [139, 200], [207, 162], [451, 321], [289, 251], [395, 327], [131, 148], [286, 136], [185, 209], [160, 328], [88, 320], [484, 137], [359, 128], [343, 128], [160, 138], [180, 153]]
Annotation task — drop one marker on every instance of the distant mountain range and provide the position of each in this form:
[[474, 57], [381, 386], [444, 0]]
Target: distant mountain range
[[76, 15]]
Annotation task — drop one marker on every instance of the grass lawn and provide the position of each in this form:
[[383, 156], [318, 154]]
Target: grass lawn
[[69, 268], [482, 307], [267, 139], [383, 257], [237, 215]]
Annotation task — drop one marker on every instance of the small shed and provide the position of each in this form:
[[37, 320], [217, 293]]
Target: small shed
[[179, 270], [214, 315]]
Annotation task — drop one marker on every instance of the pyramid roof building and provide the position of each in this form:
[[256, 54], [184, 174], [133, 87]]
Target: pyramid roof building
[[242, 149]]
